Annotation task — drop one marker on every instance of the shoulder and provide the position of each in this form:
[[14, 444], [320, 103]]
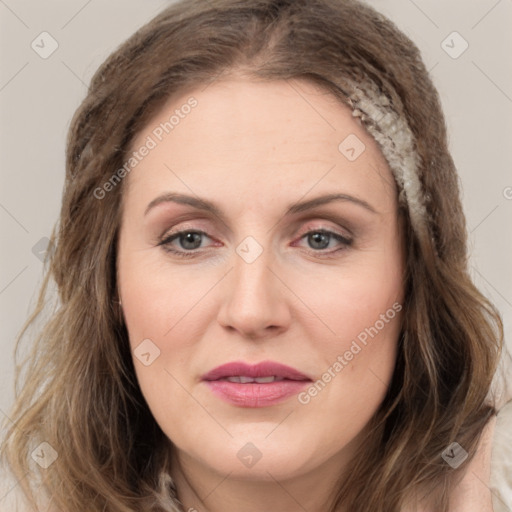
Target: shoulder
[[501, 460], [501, 453], [487, 483], [12, 498]]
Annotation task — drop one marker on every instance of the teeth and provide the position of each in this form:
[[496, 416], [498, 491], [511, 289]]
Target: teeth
[[263, 380], [242, 379]]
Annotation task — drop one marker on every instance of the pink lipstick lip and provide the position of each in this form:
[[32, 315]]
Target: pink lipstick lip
[[255, 394], [262, 369]]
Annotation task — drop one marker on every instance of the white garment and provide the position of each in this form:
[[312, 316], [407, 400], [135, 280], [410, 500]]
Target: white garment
[[501, 457]]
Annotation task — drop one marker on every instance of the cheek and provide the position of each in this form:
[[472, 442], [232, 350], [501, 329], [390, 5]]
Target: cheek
[[361, 316], [161, 322], [359, 302], [359, 353], [159, 299], [358, 363]]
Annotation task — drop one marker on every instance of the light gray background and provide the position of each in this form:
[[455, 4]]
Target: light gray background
[[39, 96]]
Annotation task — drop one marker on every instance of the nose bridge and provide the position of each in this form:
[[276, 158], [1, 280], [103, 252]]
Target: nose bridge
[[251, 273], [253, 301], [252, 280]]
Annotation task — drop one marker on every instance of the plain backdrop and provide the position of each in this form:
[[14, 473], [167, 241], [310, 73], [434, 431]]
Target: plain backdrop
[[465, 44]]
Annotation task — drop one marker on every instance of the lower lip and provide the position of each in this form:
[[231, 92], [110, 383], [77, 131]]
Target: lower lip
[[254, 394]]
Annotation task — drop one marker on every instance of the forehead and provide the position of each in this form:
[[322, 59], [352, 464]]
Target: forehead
[[259, 137]]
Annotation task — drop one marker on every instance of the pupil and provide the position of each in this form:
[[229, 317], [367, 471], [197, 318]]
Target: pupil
[[191, 238], [317, 239]]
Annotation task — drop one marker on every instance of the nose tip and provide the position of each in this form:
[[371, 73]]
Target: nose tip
[[253, 303]]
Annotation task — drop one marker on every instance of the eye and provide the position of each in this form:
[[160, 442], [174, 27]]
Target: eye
[[188, 240], [320, 239]]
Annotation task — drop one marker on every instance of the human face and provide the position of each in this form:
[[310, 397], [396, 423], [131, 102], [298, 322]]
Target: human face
[[261, 283]]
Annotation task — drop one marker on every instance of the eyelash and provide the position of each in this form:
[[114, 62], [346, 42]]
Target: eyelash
[[167, 239]]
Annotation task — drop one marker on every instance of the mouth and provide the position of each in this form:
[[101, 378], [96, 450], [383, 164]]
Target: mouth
[[261, 385], [242, 379]]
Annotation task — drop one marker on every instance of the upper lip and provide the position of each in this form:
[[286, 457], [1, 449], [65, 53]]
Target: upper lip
[[263, 369]]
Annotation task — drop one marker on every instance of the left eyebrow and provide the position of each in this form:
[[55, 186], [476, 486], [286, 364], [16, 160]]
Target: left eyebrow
[[319, 201]]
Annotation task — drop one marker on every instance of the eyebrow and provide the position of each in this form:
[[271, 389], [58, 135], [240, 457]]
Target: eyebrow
[[208, 206]]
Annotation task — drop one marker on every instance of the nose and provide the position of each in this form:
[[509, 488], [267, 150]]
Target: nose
[[254, 299]]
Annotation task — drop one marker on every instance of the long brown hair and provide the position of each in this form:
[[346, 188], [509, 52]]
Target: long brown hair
[[78, 387]]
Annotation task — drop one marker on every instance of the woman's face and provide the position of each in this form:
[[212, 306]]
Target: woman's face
[[267, 271]]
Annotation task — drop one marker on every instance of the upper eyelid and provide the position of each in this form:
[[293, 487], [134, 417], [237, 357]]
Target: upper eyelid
[[303, 222], [319, 213], [321, 218]]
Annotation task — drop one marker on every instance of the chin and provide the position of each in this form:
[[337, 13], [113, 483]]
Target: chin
[[256, 455]]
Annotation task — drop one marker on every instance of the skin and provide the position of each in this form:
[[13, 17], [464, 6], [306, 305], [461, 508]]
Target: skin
[[254, 149]]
